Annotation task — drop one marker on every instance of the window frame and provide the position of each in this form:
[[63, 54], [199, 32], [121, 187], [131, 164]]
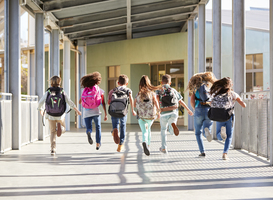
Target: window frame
[[252, 70], [115, 78]]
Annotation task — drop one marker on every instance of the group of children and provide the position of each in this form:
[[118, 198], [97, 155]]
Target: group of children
[[151, 102]]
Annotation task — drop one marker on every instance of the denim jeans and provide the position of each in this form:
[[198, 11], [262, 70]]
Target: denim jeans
[[145, 126], [201, 121], [88, 123], [165, 122], [115, 124], [229, 131]]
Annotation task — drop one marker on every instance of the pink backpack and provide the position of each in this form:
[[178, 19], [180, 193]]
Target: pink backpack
[[91, 97]]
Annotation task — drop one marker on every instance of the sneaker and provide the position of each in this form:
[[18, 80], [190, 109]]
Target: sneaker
[[98, 146], [115, 135], [120, 148], [225, 157], [175, 129], [146, 149], [208, 135], [202, 155], [53, 152], [223, 133], [59, 129], [163, 150], [89, 138]]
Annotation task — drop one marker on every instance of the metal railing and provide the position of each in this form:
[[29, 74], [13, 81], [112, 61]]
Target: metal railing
[[255, 123], [29, 119], [5, 122]]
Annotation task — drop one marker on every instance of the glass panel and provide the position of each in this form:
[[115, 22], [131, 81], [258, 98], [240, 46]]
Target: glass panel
[[176, 68], [209, 65], [154, 74], [249, 61], [258, 81], [161, 72], [24, 28], [117, 71], [173, 85], [111, 84], [2, 89], [24, 72], [248, 82], [111, 72], [258, 61], [180, 89]]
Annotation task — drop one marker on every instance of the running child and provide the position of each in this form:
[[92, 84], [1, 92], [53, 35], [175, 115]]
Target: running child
[[55, 100], [92, 97]]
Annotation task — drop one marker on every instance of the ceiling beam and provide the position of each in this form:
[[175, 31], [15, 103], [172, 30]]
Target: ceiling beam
[[99, 40], [129, 24], [158, 26], [156, 32]]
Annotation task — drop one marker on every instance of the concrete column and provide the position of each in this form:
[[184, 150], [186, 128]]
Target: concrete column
[[271, 81], [238, 64], [40, 65], [216, 32], [66, 77], [190, 65], [82, 71], [6, 54], [14, 70], [32, 74], [202, 38], [54, 53]]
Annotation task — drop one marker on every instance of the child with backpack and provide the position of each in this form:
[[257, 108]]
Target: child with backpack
[[222, 110], [147, 110], [169, 100], [118, 100], [199, 87], [55, 101], [92, 97]]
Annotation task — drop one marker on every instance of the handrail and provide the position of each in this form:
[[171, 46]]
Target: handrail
[[256, 95], [29, 97], [7, 96]]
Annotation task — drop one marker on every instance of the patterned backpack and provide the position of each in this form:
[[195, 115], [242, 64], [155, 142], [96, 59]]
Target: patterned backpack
[[146, 108], [91, 97], [55, 104]]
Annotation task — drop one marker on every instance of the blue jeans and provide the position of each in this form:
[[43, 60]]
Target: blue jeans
[[229, 131], [145, 126], [115, 124], [201, 121], [165, 122], [88, 123]]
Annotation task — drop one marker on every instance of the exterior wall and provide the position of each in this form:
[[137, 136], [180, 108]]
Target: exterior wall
[[128, 53]]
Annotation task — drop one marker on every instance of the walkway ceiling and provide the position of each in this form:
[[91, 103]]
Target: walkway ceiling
[[99, 21]]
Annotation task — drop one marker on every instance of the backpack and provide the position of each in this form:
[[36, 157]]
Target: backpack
[[146, 108], [204, 95], [55, 104], [91, 97], [119, 103], [168, 98], [221, 108]]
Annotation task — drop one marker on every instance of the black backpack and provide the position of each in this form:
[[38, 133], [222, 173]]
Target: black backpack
[[168, 98], [221, 109], [55, 104], [119, 103]]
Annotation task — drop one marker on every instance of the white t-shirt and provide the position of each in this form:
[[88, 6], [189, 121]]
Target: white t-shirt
[[92, 112]]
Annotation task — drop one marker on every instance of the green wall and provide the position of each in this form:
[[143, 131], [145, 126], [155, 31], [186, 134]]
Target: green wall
[[133, 57]]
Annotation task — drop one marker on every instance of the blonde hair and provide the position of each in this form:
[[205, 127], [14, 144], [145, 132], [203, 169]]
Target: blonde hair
[[198, 79], [146, 89], [55, 81]]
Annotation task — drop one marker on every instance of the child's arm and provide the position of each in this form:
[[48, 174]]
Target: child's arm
[[104, 107], [132, 104], [156, 105], [169, 108], [240, 101], [193, 101], [77, 111], [80, 101], [41, 103], [182, 103]]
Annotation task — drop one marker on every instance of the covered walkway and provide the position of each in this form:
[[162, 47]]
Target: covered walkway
[[80, 172]]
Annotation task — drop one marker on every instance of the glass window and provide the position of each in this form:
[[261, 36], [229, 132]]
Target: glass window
[[113, 74], [258, 61], [254, 72], [248, 82], [209, 65], [175, 68], [154, 74], [249, 61]]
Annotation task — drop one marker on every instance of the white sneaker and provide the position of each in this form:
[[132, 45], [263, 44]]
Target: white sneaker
[[208, 135], [223, 133]]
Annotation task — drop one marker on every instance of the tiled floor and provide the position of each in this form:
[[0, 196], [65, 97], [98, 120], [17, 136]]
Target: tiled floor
[[81, 172]]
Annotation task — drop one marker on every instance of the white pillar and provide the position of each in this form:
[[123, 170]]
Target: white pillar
[[238, 64], [201, 38], [54, 53], [271, 81], [14, 70], [82, 71], [66, 77], [190, 65], [40, 66], [216, 32]]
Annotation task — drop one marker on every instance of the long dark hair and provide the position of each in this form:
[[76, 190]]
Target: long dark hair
[[146, 88], [221, 86], [90, 80]]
